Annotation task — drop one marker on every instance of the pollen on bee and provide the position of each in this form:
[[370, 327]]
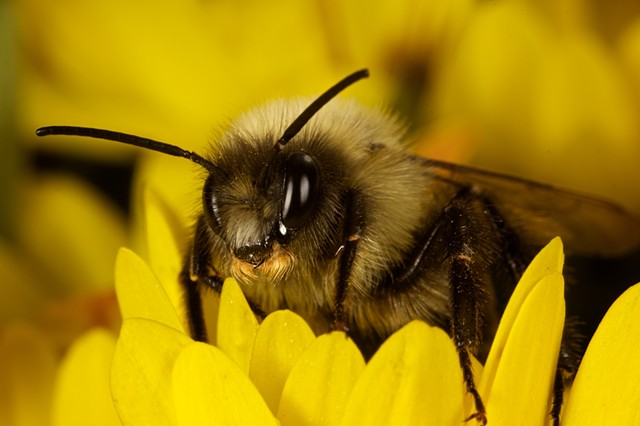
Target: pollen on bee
[[277, 266]]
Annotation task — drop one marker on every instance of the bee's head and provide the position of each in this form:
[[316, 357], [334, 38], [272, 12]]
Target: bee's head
[[258, 194], [266, 196], [251, 210]]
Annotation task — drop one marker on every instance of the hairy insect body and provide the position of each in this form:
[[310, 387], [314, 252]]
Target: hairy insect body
[[319, 208], [402, 221], [359, 155]]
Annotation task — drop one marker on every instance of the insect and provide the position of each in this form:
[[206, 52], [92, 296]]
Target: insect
[[318, 207]]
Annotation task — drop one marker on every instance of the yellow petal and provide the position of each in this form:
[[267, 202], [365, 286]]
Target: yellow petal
[[141, 372], [414, 378], [522, 386], [165, 258], [606, 389], [280, 340], [140, 295], [209, 388], [237, 325], [175, 187], [64, 222], [27, 372], [83, 394], [548, 262], [318, 387], [165, 220]]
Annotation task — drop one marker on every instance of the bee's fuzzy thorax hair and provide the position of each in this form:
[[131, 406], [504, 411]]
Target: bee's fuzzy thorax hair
[[355, 147]]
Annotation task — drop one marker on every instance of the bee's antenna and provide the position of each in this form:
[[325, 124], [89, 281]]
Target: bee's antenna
[[176, 151], [129, 140], [311, 110]]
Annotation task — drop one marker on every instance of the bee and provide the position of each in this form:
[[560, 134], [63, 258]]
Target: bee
[[318, 207]]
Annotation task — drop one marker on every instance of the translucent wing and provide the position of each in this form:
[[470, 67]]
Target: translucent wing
[[587, 225]]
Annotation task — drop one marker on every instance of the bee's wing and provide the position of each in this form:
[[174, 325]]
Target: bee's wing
[[587, 225]]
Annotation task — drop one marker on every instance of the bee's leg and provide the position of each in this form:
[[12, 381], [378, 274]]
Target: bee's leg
[[558, 391], [459, 231], [197, 272], [467, 292], [352, 231], [510, 245]]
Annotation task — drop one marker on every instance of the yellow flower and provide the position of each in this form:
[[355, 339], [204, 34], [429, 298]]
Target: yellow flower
[[278, 371], [560, 80]]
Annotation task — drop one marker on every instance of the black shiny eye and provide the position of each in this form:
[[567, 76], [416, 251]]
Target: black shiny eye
[[301, 189], [210, 203]]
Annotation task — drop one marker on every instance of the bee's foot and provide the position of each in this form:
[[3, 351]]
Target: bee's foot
[[479, 416]]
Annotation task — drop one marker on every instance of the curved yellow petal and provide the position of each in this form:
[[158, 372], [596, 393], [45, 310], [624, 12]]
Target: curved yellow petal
[[174, 185], [165, 221], [209, 388], [140, 295], [281, 338], [83, 394], [606, 389], [237, 325], [141, 372], [27, 372], [522, 386], [548, 262], [318, 388], [414, 378], [165, 258]]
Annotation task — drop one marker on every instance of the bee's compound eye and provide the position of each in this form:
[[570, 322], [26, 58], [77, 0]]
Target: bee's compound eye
[[301, 189], [210, 204]]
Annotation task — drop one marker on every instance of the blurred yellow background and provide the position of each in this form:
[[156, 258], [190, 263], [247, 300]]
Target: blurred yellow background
[[547, 90]]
